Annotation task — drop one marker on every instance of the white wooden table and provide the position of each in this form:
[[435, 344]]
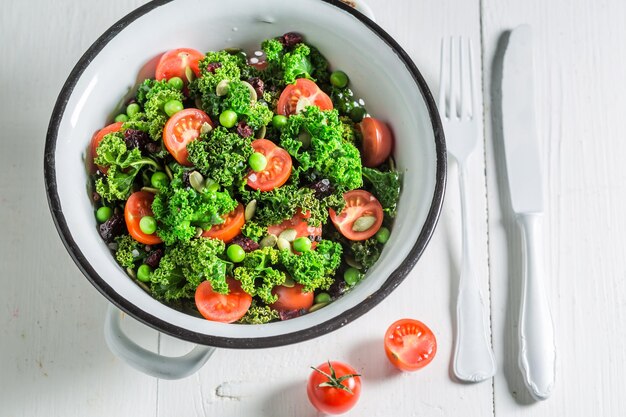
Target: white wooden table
[[53, 359]]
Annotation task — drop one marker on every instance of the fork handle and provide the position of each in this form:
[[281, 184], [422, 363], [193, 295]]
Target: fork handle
[[473, 357], [537, 357]]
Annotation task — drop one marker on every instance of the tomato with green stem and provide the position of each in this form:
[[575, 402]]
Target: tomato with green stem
[[174, 63], [233, 222], [334, 387], [296, 97], [410, 345]]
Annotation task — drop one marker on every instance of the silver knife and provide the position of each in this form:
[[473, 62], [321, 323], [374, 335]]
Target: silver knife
[[537, 357]]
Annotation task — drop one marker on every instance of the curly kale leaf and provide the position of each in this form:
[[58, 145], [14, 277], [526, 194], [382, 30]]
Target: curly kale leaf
[[274, 51], [224, 66], [153, 95], [128, 251], [296, 64], [179, 210], [186, 265], [257, 314], [257, 275], [365, 252], [252, 230], [122, 164], [385, 186], [314, 269], [320, 71], [256, 114], [328, 152], [221, 156]]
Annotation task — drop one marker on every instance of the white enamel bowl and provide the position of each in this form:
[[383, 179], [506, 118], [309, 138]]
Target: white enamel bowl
[[380, 72]]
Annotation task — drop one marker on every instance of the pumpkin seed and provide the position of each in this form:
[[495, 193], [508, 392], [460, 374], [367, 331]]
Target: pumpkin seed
[[150, 190], [352, 262], [283, 244], [261, 133], [189, 74], [222, 88], [143, 286], [199, 232], [305, 138], [363, 223], [198, 102], [131, 272], [288, 234], [196, 180], [268, 241], [392, 164], [289, 282], [317, 306], [253, 96], [205, 128], [250, 209], [168, 171]]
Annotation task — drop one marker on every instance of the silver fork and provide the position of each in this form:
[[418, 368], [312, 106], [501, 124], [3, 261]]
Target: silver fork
[[458, 106]]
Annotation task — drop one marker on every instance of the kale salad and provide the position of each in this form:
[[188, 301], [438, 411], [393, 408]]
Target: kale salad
[[245, 188]]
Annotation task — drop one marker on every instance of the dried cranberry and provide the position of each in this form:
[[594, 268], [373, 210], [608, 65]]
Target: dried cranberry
[[112, 228], [291, 314], [212, 66], [290, 39], [154, 258], [95, 197], [185, 179], [244, 130], [322, 188], [258, 85], [337, 288], [246, 243], [136, 139], [153, 147]]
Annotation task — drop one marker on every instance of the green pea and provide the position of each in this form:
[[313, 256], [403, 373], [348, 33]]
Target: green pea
[[322, 297], [148, 225], [339, 79], [212, 187], [143, 273], [235, 253], [103, 214], [172, 107], [257, 162], [382, 236], [228, 118], [302, 244], [159, 179], [121, 118], [176, 82], [279, 121], [132, 109], [357, 114], [352, 276]]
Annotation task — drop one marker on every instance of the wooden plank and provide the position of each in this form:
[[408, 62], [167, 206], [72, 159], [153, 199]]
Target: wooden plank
[[54, 359], [580, 101], [271, 382]]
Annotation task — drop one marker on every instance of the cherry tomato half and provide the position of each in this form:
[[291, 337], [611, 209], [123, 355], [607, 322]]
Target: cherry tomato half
[[292, 298], [303, 93], [174, 63], [278, 169], [377, 142], [359, 203], [97, 138], [225, 308], [299, 223], [182, 128], [410, 344], [139, 205], [340, 396], [233, 222]]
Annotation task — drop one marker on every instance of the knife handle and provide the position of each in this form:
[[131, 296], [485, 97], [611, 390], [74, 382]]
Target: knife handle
[[537, 357]]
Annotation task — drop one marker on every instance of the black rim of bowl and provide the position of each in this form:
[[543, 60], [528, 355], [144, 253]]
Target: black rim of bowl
[[394, 279]]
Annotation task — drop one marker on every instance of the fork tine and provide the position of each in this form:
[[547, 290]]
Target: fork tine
[[454, 80], [466, 78], [474, 84], [442, 79]]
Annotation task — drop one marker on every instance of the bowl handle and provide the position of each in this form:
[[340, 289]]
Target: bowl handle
[[164, 367]]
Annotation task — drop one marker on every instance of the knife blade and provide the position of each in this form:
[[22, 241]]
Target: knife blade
[[537, 357]]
